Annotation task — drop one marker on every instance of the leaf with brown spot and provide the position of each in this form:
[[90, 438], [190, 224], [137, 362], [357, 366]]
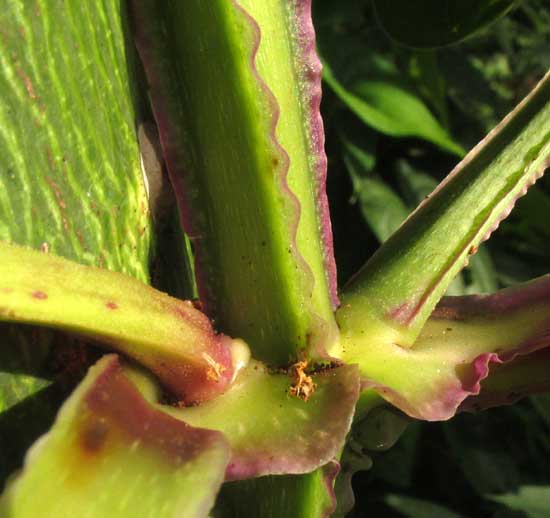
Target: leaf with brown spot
[[110, 453], [169, 336]]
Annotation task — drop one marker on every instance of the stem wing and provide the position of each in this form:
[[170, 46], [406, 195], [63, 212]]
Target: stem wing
[[235, 89], [271, 432]]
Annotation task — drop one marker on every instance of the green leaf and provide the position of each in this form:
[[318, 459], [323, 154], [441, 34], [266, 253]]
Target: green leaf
[[381, 207], [272, 432], [532, 500], [435, 23], [16, 387], [382, 102], [70, 176], [398, 288], [411, 507], [424, 69], [110, 453], [169, 336]]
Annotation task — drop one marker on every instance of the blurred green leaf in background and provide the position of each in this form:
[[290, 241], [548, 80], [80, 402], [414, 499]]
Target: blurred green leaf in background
[[397, 119]]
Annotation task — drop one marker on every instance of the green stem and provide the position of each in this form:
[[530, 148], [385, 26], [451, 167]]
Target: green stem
[[235, 97]]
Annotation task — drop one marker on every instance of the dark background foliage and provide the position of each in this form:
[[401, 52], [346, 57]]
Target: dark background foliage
[[396, 121]]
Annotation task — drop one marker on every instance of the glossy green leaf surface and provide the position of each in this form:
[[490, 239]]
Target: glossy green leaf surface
[[435, 23], [169, 336], [110, 453], [397, 289]]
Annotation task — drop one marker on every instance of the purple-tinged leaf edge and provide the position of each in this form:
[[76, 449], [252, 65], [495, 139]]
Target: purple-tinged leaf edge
[[453, 354], [106, 421], [273, 432]]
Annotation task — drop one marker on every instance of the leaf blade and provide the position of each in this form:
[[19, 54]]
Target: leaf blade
[[391, 109], [169, 336], [402, 282], [455, 351], [293, 436], [431, 24], [108, 441]]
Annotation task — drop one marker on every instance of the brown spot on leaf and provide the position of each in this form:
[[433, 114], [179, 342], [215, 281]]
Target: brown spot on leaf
[[94, 436], [40, 295], [62, 205], [50, 159], [80, 238], [116, 415], [112, 305], [27, 82]]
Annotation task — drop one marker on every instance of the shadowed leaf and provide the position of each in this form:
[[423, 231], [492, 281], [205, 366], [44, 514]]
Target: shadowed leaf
[[390, 107], [534, 501], [306, 496], [435, 23]]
